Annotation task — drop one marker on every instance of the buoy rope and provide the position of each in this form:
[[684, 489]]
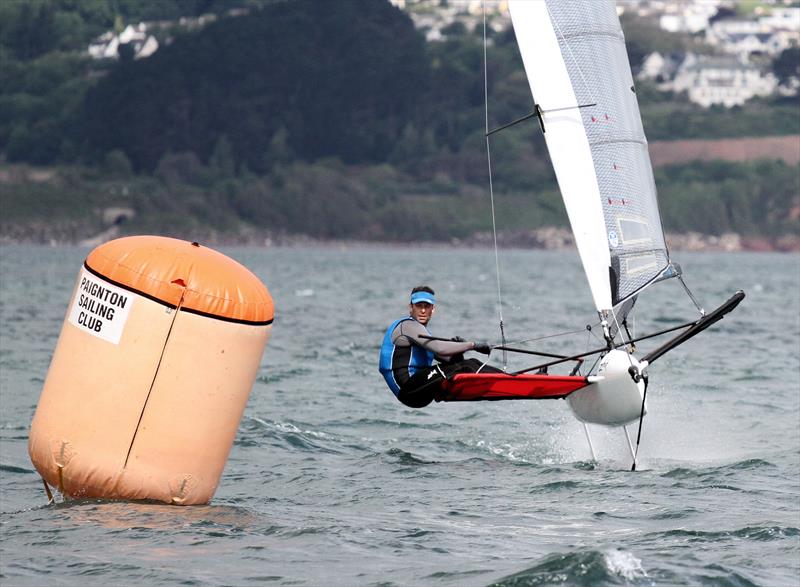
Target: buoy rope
[[50, 498], [491, 187], [155, 374]]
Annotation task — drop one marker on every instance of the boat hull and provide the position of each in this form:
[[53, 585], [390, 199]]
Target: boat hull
[[613, 398], [501, 386]]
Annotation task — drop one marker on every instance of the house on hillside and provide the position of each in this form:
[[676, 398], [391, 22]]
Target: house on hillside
[[767, 35], [660, 68], [644, 8], [786, 19], [433, 17], [750, 43], [688, 17], [722, 80], [721, 30], [107, 45]]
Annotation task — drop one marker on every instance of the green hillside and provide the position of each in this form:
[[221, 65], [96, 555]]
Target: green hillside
[[331, 120]]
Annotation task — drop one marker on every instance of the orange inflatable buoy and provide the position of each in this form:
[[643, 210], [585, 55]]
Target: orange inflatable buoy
[[151, 374]]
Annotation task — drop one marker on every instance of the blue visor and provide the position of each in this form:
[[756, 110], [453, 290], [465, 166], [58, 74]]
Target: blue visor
[[422, 296]]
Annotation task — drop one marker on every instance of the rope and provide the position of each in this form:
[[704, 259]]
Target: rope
[[621, 335], [155, 375], [491, 187], [527, 340], [592, 333], [50, 498], [691, 296]]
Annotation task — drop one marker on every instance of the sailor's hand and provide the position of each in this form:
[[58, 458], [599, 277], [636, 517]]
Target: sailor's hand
[[482, 347], [458, 339]]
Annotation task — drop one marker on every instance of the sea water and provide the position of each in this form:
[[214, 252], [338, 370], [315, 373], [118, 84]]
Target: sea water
[[332, 482]]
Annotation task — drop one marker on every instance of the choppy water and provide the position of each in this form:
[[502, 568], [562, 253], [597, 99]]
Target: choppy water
[[332, 482]]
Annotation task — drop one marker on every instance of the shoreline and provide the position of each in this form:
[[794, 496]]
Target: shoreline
[[548, 239]]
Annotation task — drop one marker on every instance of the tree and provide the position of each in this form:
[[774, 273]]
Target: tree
[[116, 163], [343, 78], [31, 32], [180, 168], [279, 151], [412, 146], [222, 163], [126, 52], [786, 66]]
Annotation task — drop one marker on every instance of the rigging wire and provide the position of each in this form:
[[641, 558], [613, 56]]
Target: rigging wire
[[594, 334], [622, 336], [591, 333], [691, 296], [527, 340], [491, 187]]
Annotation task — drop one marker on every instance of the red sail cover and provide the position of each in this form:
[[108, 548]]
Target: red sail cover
[[499, 386]]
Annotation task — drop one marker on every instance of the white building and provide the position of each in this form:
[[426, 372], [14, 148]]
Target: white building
[[688, 17], [433, 16], [748, 43], [744, 37], [722, 29], [769, 34], [722, 80], [107, 45], [660, 68], [787, 18]]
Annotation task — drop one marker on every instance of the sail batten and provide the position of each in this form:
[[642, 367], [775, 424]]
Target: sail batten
[[574, 54]]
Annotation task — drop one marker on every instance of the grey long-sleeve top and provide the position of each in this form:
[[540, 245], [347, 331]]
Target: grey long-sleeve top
[[409, 330]]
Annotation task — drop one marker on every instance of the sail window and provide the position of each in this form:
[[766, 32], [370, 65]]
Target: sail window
[[634, 231], [639, 263]]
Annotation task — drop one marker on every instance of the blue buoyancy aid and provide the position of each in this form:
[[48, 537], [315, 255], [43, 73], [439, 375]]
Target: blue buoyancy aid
[[419, 358]]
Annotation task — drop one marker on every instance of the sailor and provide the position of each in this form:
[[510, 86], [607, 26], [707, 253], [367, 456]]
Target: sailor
[[407, 361]]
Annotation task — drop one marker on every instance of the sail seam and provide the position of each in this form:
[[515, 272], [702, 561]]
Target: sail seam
[[590, 35], [618, 142], [560, 33]]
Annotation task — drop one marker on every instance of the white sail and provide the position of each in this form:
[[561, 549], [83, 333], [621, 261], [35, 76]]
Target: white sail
[[576, 64]]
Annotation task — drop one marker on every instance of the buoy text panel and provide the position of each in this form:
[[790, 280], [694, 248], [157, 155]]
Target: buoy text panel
[[100, 308]]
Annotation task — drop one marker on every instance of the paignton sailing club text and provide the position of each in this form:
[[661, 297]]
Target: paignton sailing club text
[[96, 311], [101, 294]]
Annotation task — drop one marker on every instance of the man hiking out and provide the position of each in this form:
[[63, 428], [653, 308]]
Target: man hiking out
[[407, 358]]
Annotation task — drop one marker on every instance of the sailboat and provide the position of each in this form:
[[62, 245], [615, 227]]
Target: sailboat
[[585, 104]]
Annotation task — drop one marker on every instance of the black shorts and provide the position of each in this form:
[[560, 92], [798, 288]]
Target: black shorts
[[426, 384]]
